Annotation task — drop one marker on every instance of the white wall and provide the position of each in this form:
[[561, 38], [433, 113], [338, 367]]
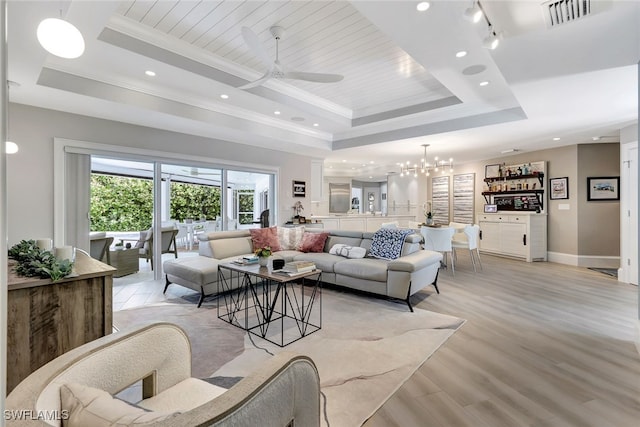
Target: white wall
[[30, 171]]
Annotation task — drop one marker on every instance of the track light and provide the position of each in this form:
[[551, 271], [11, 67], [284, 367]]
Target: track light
[[492, 40], [473, 13]]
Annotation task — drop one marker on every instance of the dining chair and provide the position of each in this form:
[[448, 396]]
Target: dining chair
[[468, 240], [183, 235], [99, 246], [439, 239], [168, 243]]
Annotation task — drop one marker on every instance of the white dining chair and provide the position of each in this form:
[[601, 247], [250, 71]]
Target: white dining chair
[[439, 239], [182, 236], [469, 239]]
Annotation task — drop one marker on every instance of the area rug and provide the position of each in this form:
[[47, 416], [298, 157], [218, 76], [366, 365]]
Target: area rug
[[367, 347]]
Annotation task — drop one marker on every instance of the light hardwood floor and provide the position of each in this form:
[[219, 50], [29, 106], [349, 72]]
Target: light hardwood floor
[[544, 345]]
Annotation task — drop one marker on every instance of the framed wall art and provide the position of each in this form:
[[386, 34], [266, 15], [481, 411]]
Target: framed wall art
[[559, 188], [603, 188], [299, 189]]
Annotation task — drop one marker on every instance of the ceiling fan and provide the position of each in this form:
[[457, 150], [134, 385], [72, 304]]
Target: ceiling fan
[[275, 68]]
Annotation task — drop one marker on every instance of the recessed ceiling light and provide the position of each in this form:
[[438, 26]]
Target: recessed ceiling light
[[595, 138], [10, 147], [316, 124], [370, 177], [461, 54], [556, 139], [422, 6], [277, 113], [371, 161], [224, 96], [484, 83], [150, 73], [344, 161]]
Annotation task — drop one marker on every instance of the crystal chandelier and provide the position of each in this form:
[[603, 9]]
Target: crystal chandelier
[[425, 167]]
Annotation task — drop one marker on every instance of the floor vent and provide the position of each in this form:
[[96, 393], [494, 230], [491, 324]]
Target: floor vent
[[563, 11]]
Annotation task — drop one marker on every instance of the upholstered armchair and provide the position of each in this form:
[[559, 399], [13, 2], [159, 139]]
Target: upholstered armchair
[[79, 385]]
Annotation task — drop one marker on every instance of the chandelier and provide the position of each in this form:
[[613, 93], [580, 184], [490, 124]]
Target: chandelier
[[425, 167]]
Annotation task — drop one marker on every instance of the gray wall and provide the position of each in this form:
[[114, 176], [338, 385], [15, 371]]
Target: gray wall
[[599, 221], [30, 171], [591, 228]]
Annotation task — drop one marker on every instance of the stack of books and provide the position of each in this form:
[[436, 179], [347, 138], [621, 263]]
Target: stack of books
[[298, 267], [246, 260]]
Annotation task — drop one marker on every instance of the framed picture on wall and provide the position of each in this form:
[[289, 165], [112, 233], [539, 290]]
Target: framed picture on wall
[[559, 188], [492, 171], [603, 188], [299, 188]]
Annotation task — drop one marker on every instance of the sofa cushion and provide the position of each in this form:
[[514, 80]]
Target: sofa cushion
[[88, 406], [235, 246], [347, 251], [366, 268], [323, 260], [333, 240], [289, 238], [200, 270], [265, 237], [184, 396], [286, 255], [313, 242]]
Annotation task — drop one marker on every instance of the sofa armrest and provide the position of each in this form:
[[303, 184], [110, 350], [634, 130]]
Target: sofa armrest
[[415, 261], [287, 385]]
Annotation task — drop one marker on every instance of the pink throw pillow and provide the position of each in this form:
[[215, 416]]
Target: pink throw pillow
[[263, 237], [313, 242]]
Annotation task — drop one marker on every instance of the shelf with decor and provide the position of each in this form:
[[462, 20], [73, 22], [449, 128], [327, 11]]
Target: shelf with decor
[[515, 187]]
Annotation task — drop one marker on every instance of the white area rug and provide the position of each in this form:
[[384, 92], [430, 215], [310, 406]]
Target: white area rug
[[367, 347]]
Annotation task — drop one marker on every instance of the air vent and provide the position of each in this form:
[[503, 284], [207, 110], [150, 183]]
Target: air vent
[[563, 11]]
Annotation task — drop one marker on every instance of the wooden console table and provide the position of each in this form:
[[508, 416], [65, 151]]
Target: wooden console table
[[47, 319]]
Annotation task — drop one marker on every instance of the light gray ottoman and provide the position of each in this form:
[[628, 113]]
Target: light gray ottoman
[[198, 273]]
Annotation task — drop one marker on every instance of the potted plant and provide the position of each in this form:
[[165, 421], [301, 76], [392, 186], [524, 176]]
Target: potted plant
[[427, 213], [263, 255]]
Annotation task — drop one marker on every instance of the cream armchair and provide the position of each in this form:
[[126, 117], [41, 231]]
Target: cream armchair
[[284, 391]]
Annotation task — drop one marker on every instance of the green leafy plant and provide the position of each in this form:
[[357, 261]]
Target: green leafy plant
[[34, 262], [263, 252]]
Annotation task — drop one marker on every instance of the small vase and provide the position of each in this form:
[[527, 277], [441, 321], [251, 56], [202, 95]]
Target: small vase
[[429, 221], [263, 261]]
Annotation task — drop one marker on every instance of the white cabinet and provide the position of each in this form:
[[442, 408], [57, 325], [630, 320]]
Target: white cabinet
[[331, 224], [520, 235], [353, 224]]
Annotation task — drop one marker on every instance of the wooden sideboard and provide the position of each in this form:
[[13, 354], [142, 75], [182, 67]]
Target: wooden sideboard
[[47, 319]]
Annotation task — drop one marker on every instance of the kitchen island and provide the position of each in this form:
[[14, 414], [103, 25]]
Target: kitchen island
[[358, 222]]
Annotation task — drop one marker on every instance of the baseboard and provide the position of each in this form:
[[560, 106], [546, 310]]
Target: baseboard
[[584, 260]]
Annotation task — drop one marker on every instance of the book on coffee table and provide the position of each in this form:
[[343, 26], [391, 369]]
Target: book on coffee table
[[299, 267]]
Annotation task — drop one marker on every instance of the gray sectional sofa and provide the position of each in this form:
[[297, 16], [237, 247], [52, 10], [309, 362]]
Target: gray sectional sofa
[[400, 278]]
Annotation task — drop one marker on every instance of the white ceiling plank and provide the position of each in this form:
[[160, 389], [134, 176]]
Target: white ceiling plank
[[192, 18], [180, 9]]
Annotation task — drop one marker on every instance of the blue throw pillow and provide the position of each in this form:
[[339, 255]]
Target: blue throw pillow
[[387, 242]]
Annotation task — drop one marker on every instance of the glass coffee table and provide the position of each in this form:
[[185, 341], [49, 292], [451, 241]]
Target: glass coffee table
[[277, 307]]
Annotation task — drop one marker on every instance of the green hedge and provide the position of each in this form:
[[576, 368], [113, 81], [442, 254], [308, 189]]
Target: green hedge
[[126, 204]]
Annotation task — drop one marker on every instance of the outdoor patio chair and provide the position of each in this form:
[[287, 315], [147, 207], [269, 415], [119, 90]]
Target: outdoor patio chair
[[99, 246], [168, 236]]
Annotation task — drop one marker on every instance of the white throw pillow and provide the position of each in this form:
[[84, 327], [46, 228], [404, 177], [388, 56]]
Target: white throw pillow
[[352, 252], [88, 406], [290, 237]]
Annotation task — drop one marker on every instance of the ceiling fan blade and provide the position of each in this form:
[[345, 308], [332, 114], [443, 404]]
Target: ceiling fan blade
[[313, 77], [258, 82], [252, 41]]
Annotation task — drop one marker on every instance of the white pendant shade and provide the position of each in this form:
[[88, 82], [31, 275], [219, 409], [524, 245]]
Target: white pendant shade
[[60, 38]]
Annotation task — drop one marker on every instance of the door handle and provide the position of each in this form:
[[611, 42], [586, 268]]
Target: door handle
[[480, 234], [524, 239]]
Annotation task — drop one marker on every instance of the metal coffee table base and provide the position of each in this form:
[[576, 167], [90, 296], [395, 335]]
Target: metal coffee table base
[[279, 309]]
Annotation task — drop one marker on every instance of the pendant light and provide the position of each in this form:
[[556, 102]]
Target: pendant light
[[60, 38]]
